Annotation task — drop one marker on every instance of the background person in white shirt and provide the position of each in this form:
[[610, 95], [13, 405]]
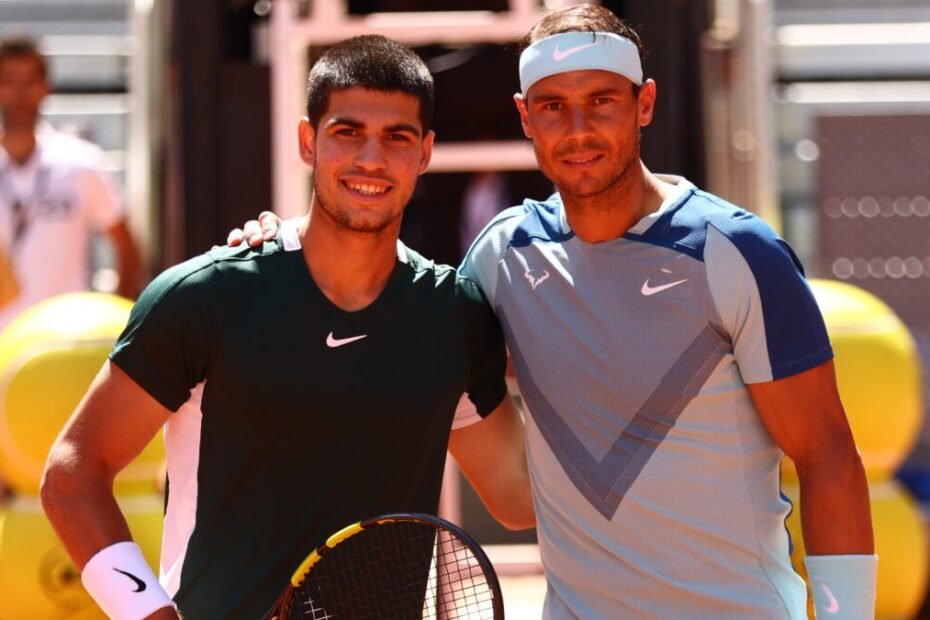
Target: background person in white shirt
[[53, 197]]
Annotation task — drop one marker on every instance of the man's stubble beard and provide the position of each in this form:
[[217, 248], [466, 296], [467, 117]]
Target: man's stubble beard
[[341, 217], [617, 187]]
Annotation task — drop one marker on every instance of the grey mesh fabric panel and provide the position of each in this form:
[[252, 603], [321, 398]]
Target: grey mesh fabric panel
[[736, 298], [656, 486], [487, 248]]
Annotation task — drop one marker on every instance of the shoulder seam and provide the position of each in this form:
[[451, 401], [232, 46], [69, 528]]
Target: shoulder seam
[[717, 200], [178, 281], [250, 254], [428, 264]]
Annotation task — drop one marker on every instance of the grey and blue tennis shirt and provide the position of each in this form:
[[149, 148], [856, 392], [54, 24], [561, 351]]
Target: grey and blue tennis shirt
[[656, 485]]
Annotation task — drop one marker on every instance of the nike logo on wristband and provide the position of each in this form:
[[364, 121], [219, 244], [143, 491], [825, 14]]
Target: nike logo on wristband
[[140, 585], [833, 605]]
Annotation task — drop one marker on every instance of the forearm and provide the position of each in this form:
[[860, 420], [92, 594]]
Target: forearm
[[511, 501], [128, 260], [128, 269], [509, 496], [835, 509], [88, 520], [82, 509], [492, 455], [835, 517]]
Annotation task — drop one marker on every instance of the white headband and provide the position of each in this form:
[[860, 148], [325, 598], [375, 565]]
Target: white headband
[[580, 51]]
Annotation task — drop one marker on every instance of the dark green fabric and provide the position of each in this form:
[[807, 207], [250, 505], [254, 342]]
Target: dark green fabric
[[300, 439]]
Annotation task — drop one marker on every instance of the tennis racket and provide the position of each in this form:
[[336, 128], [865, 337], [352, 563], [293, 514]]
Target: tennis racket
[[402, 566]]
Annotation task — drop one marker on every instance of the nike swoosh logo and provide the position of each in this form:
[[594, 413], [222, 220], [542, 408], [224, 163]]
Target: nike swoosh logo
[[652, 290], [834, 605], [558, 55], [140, 585], [332, 343]]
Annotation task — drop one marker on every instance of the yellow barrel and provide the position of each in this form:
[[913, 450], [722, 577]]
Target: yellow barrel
[[48, 357], [37, 578]]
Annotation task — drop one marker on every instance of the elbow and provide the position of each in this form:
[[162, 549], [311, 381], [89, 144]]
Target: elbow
[[514, 514], [59, 483], [516, 524], [516, 509], [53, 486], [839, 456]]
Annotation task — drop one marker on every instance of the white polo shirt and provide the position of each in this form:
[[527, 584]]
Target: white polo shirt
[[64, 200]]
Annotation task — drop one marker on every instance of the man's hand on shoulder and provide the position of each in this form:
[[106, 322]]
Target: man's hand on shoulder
[[255, 232]]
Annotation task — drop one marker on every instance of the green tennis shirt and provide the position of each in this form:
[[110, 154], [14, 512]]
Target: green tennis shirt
[[294, 418]]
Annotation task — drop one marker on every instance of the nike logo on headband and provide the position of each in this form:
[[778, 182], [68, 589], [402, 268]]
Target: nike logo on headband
[[558, 55]]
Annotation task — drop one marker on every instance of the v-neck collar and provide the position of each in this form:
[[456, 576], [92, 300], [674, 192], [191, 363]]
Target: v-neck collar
[[288, 240]]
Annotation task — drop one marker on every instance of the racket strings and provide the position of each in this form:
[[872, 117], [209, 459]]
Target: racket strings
[[396, 570], [461, 586]]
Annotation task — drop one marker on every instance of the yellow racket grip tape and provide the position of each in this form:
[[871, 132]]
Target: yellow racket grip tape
[[301, 573]]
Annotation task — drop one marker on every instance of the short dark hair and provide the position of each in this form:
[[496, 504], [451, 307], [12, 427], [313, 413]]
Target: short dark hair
[[18, 46], [581, 18], [373, 62]]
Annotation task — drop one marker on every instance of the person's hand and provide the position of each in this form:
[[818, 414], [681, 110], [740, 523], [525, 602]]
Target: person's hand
[[255, 232]]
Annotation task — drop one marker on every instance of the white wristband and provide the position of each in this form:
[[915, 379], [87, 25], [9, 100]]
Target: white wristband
[[843, 585], [121, 582]]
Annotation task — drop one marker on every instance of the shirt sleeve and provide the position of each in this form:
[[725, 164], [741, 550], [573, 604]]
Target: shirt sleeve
[[466, 413], [483, 257], [764, 302], [170, 339], [486, 354]]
